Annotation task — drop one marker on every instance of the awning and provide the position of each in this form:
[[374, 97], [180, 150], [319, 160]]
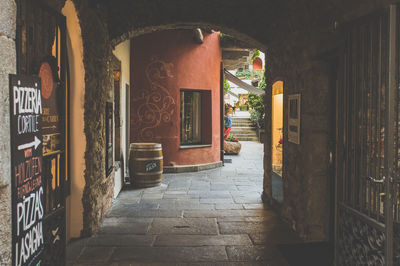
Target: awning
[[242, 84]]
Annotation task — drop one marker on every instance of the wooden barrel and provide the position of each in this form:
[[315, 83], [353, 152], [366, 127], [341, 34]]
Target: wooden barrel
[[145, 164]]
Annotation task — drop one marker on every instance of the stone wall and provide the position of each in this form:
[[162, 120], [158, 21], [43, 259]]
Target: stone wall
[[98, 191], [7, 66], [306, 165], [303, 58], [306, 170]]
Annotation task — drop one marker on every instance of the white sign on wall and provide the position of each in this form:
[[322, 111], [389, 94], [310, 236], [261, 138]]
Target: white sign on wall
[[294, 118]]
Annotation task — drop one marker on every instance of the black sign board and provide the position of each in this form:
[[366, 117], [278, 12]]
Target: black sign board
[[52, 104], [26, 170]]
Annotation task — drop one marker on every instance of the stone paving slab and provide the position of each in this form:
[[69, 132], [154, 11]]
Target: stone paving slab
[[147, 213], [208, 200], [117, 220], [270, 256], [254, 206], [275, 235], [75, 248], [222, 187], [121, 263], [153, 196], [112, 240], [248, 200], [223, 213], [183, 195], [227, 206], [245, 227], [270, 218], [128, 200], [202, 240], [185, 226], [125, 228], [171, 254], [209, 218], [95, 254]]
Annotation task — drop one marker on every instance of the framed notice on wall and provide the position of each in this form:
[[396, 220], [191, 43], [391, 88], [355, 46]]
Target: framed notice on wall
[[28, 193], [294, 118], [109, 138]]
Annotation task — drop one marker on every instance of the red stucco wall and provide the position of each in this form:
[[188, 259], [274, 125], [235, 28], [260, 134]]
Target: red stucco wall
[[162, 63]]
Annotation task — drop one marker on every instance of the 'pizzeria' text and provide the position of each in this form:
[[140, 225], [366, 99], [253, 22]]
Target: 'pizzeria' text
[[28, 107]]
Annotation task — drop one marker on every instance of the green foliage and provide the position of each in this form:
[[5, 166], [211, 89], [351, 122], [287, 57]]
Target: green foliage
[[256, 103], [227, 87], [257, 119], [248, 74], [262, 84], [255, 55]]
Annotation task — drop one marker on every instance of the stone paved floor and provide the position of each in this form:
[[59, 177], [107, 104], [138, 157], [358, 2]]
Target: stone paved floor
[[213, 217]]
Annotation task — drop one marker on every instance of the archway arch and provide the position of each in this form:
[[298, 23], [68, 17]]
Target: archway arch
[[98, 43]]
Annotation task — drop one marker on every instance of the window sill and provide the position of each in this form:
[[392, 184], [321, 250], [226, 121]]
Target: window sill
[[195, 146]]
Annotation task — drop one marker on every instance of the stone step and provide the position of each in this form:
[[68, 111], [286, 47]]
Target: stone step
[[239, 135], [244, 121], [244, 131], [243, 128], [248, 139], [243, 124], [248, 131], [241, 119]]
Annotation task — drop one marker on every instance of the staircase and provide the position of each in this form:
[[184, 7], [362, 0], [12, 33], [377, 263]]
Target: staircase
[[243, 129]]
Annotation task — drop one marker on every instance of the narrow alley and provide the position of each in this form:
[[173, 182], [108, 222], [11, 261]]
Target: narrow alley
[[211, 217]]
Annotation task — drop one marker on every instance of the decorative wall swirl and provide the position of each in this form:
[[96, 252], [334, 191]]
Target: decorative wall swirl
[[155, 105], [359, 243]]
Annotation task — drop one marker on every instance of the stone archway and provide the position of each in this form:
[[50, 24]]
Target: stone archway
[[104, 26], [97, 46]]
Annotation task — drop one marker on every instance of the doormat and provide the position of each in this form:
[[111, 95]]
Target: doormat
[[307, 254], [227, 160]]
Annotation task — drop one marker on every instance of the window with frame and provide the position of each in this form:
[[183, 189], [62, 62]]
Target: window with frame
[[195, 117]]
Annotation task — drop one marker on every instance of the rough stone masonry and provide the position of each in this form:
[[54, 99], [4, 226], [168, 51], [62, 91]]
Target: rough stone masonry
[[7, 66]]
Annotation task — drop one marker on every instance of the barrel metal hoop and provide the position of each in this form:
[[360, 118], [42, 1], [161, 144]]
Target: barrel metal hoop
[[152, 149], [145, 145], [149, 173], [148, 159]]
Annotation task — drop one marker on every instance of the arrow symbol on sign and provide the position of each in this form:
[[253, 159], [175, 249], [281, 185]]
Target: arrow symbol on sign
[[34, 143]]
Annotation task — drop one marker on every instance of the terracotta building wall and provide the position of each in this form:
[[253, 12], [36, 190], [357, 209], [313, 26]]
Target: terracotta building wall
[[257, 64], [164, 63], [77, 137]]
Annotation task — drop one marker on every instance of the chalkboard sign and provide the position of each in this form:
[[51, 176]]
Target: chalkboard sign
[[26, 170]]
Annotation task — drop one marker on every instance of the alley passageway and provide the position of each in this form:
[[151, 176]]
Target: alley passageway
[[211, 217]]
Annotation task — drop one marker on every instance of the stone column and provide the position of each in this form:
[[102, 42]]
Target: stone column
[[8, 65], [267, 186], [98, 191]]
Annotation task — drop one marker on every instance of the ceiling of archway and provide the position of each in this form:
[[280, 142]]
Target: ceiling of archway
[[251, 17], [287, 24]]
